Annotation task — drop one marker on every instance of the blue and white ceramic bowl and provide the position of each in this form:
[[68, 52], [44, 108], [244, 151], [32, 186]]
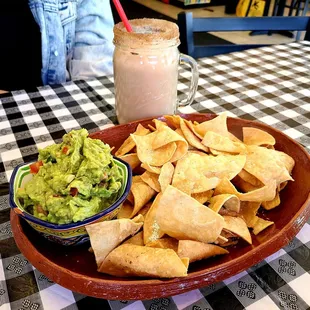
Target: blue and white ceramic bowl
[[73, 233]]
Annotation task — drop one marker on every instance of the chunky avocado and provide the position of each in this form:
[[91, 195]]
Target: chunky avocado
[[72, 180]]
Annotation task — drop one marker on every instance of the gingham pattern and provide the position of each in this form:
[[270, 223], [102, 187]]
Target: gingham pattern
[[270, 84]]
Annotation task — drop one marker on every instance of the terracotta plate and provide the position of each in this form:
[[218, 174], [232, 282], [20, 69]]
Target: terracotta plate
[[75, 268]]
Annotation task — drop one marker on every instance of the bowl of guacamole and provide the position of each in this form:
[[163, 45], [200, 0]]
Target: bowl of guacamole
[[72, 184]]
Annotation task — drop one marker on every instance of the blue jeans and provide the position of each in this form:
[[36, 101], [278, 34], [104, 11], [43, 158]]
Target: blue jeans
[[76, 38]]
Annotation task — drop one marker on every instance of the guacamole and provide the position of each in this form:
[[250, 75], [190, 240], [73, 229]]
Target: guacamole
[[72, 180]]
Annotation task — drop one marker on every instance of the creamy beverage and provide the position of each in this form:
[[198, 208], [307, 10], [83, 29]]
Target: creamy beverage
[[146, 69], [145, 85]]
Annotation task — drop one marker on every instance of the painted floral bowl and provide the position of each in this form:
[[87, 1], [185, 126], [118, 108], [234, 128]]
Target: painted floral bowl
[[73, 233]]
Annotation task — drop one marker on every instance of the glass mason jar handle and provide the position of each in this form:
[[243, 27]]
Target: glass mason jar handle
[[194, 81]]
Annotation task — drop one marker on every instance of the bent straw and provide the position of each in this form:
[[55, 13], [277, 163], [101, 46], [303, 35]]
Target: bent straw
[[122, 15]]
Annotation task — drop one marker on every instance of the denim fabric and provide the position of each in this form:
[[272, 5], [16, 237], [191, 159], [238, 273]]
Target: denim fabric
[[76, 38], [93, 49]]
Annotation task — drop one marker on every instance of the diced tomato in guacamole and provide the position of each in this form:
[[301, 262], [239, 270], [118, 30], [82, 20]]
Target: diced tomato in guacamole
[[35, 167]]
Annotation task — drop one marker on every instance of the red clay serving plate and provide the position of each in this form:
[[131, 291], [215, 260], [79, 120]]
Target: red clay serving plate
[[75, 268]]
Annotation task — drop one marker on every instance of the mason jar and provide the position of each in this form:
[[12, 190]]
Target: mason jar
[[146, 63]]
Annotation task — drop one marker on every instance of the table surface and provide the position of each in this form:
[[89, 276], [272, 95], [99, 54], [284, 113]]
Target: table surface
[[269, 84]]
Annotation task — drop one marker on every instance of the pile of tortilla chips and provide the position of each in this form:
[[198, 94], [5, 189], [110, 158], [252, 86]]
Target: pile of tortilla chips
[[196, 190]]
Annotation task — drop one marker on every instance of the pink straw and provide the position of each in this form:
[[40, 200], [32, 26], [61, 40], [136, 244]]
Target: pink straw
[[122, 15]]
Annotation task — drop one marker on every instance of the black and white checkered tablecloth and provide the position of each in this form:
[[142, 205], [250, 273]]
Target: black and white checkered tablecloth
[[270, 84]]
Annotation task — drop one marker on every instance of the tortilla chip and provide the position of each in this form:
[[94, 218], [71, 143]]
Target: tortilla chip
[[271, 147], [150, 168], [205, 184], [189, 177], [271, 204], [138, 219], [261, 225], [237, 226], [267, 165], [185, 261], [129, 144], [230, 242], [151, 179], [223, 166], [282, 186], [196, 183], [126, 147], [166, 174], [180, 132], [185, 187], [107, 235], [195, 151], [227, 238], [255, 136], [132, 159], [195, 174], [152, 128], [136, 239], [133, 260], [217, 125], [145, 209], [130, 197], [243, 185], [228, 234], [142, 194], [203, 197], [192, 127], [165, 243], [248, 211], [165, 135], [153, 157], [182, 217], [215, 152], [264, 193], [249, 178], [221, 239], [151, 229], [230, 202], [125, 210], [222, 143], [185, 175], [224, 211], [195, 250], [141, 131], [285, 159], [159, 124], [174, 120], [191, 138]]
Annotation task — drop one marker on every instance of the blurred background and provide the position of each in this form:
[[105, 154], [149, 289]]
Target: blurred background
[[20, 35]]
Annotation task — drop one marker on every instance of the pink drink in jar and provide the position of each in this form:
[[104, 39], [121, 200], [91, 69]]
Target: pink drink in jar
[[146, 69]]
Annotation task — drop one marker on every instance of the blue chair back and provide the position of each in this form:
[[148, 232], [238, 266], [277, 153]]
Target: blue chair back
[[189, 25]]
